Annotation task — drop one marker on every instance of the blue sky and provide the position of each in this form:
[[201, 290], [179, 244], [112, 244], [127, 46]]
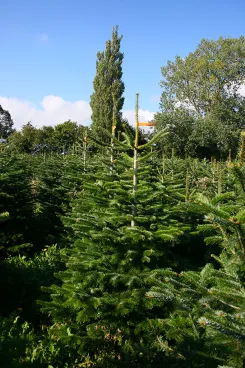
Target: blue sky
[[48, 48]]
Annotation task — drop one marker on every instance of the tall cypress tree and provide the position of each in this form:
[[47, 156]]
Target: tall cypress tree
[[108, 89]]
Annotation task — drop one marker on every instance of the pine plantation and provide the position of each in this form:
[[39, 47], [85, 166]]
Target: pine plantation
[[131, 281], [121, 248]]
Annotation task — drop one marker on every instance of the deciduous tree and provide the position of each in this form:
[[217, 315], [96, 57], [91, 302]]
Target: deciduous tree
[[214, 72]]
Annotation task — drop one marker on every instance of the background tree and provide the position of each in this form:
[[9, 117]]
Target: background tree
[[66, 135], [6, 123], [44, 140], [23, 141], [205, 78], [205, 85], [108, 89], [61, 138], [180, 123]]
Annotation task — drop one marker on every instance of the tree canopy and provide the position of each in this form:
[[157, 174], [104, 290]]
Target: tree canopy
[[61, 138], [211, 74], [201, 100]]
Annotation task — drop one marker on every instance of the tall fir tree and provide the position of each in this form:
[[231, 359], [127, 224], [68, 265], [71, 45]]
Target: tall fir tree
[[108, 89], [100, 310]]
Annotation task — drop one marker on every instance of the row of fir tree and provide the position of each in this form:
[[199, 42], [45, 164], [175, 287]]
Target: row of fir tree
[[128, 259]]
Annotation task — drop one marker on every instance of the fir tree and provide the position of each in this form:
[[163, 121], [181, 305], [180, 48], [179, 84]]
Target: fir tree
[[16, 201], [207, 323], [101, 310]]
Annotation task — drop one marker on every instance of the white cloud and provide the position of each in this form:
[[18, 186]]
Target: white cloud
[[144, 115], [55, 110]]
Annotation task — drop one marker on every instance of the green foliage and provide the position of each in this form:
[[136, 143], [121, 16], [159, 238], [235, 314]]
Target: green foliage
[[99, 310], [103, 287], [108, 89], [201, 101], [22, 344], [22, 278], [35, 194], [180, 124], [23, 141], [67, 135], [208, 320], [212, 137], [6, 123], [211, 74], [63, 138], [16, 201]]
